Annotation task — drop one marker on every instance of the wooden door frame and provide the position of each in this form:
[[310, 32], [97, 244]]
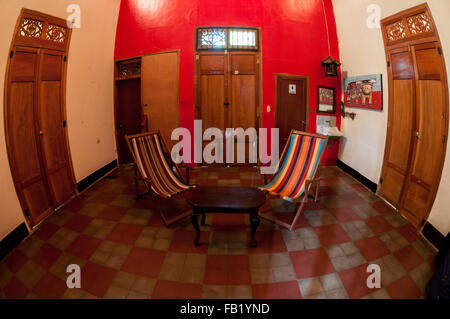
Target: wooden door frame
[[278, 78], [416, 40], [16, 42]]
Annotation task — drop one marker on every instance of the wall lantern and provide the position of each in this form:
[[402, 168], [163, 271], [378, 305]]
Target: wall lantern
[[331, 66]]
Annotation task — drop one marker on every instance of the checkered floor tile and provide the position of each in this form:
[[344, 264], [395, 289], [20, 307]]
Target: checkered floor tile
[[124, 250]]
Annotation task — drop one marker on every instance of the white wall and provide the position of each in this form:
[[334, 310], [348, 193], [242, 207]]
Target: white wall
[[89, 91], [362, 52]]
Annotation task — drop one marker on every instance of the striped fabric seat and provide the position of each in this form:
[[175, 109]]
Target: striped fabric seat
[[152, 166], [299, 166]]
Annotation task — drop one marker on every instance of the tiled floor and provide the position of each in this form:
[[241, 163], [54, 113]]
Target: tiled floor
[[124, 250]]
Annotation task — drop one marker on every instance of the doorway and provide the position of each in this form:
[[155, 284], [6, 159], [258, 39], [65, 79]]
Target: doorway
[[291, 104]]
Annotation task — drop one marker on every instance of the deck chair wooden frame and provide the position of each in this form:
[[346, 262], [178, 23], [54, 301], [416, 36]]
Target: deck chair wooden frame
[[161, 204], [313, 181]]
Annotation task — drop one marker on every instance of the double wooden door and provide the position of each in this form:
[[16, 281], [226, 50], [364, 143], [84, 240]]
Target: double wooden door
[[36, 130], [417, 129], [228, 91]]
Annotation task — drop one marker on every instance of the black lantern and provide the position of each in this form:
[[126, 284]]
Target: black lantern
[[331, 66]]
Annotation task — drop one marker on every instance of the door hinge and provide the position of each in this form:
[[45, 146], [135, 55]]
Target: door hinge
[[65, 58], [389, 64], [11, 54], [257, 61], [444, 139], [439, 50], [64, 123], [381, 180], [423, 222]]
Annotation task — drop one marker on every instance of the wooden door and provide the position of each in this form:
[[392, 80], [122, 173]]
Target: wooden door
[[291, 106], [400, 125], [160, 93], [243, 111], [429, 132], [23, 134], [128, 115], [228, 92], [52, 126]]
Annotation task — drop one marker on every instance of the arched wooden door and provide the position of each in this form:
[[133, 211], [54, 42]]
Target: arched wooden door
[[418, 113], [35, 120]]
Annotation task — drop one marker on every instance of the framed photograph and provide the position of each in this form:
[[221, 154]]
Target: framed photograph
[[364, 92], [326, 100]]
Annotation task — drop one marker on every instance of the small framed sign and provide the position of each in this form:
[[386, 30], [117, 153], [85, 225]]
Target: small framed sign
[[325, 100]]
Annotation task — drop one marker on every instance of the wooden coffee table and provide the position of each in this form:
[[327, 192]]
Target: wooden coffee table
[[225, 200]]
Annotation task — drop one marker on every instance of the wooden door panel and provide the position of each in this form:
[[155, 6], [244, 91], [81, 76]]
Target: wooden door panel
[[24, 67], [212, 99], [22, 133], [243, 63], [401, 124], [431, 125], [53, 137], [243, 101], [416, 202], [392, 185], [160, 93], [212, 64], [37, 201]]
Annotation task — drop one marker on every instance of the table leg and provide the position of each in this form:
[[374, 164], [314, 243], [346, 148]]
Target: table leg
[[194, 222], [203, 221], [254, 222]]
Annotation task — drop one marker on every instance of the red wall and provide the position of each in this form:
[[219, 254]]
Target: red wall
[[293, 41]]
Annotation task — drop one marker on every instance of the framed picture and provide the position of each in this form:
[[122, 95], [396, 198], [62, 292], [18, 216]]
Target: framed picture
[[364, 92], [326, 100]]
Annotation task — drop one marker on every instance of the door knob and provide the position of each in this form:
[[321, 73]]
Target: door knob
[[417, 135], [41, 133]]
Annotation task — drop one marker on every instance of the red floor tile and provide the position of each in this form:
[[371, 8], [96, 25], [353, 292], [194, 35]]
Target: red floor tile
[[15, 260], [359, 188], [372, 248], [378, 224], [269, 242], [353, 199], [311, 263], [113, 213], [84, 246], [125, 233], [404, 288], [15, 289], [47, 255], [409, 232], [96, 279], [104, 198], [409, 258], [75, 205], [382, 207], [223, 270], [50, 287], [78, 222], [345, 214], [355, 282], [144, 262], [46, 231], [174, 290], [206, 182], [183, 242], [332, 235], [283, 290]]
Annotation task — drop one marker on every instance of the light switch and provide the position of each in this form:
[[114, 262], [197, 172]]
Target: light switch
[[269, 109]]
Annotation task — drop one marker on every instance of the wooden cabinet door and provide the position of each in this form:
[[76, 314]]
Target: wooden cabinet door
[[400, 125], [160, 93], [429, 133], [52, 126], [23, 134]]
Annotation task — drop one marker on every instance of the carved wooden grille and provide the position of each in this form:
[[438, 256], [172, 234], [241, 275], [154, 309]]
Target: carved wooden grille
[[55, 33], [31, 28], [227, 38], [396, 31], [419, 23]]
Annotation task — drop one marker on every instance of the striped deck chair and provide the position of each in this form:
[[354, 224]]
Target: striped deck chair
[[151, 158], [300, 163]]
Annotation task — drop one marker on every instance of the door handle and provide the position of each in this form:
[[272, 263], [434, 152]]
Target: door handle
[[226, 104], [417, 135], [41, 133]]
